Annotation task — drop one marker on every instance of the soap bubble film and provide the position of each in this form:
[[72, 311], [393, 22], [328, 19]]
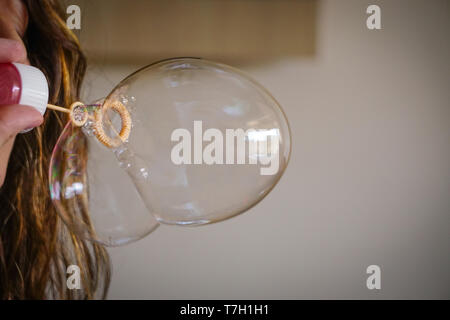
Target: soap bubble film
[[189, 95], [94, 197], [206, 143]]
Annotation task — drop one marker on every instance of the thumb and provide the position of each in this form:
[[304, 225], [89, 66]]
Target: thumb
[[16, 118]]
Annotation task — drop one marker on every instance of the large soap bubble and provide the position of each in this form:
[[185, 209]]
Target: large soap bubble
[[183, 141]]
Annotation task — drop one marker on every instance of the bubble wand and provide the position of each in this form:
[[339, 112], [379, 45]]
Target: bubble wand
[[27, 85], [79, 115]]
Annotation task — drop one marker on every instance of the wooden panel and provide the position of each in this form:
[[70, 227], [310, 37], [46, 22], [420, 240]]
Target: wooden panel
[[120, 31]]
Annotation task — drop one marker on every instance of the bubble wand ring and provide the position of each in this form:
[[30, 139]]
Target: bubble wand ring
[[125, 130], [78, 116]]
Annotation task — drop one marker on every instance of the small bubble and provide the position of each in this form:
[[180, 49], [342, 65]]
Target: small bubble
[[124, 164], [88, 128], [144, 172]]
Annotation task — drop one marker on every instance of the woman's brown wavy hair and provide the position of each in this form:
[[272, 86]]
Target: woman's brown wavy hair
[[35, 246]]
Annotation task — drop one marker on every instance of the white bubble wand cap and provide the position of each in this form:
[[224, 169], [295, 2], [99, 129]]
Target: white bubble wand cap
[[34, 87]]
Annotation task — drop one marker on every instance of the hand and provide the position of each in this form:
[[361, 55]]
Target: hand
[[13, 118]]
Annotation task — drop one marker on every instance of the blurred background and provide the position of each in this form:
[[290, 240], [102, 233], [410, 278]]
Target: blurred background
[[369, 176]]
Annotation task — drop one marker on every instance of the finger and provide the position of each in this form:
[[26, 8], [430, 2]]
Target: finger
[[12, 51], [16, 118]]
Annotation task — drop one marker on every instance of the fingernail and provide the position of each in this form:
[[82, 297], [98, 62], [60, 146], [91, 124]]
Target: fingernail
[[34, 125], [27, 130]]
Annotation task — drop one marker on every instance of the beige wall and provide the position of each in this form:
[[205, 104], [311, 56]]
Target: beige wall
[[369, 177]]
